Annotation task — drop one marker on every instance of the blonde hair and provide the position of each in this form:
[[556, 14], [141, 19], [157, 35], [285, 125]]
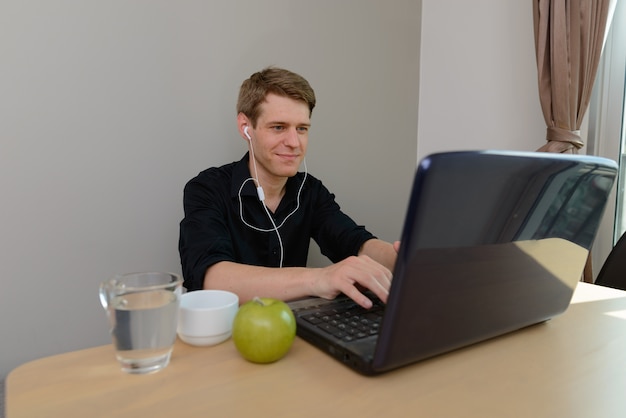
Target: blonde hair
[[278, 81]]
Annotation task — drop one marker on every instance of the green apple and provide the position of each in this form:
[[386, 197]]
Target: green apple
[[264, 330]]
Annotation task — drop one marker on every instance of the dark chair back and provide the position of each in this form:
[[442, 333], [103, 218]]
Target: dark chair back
[[613, 272]]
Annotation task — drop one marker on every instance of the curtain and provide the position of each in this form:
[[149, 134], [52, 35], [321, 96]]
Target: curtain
[[569, 37]]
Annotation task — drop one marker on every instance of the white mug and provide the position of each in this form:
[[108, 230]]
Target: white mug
[[206, 316]]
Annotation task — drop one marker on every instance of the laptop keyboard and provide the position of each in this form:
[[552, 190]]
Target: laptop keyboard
[[348, 321]]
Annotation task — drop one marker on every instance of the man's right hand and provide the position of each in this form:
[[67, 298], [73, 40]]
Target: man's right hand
[[349, 276]]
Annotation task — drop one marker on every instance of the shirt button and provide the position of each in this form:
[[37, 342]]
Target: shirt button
[[275, 251]]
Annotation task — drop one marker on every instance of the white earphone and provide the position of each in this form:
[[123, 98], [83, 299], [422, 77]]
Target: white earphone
[[261, 196]]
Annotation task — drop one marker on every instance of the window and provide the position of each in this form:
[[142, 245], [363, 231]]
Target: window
[[620, 211], [607, 131]]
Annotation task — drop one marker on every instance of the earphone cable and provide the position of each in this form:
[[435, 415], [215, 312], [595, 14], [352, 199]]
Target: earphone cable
[[261, 195], [286, 217]]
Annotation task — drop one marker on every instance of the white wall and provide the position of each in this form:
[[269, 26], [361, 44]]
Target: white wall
[[478, 77], [107, 108]]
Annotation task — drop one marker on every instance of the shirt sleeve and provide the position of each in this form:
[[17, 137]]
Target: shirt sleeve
[[337, 234], [204, 236]]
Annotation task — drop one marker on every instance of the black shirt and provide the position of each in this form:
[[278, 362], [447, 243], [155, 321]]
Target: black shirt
[[216, 206]]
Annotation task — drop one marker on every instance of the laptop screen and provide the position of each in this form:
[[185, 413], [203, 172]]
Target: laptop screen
[[492, 242]]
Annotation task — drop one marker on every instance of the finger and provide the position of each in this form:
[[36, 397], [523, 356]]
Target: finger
[[353, 293], [381, 274], [377, 279], [382, 292]]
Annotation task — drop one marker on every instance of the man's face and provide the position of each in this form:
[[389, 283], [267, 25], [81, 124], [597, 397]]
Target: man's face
[[280, 137]]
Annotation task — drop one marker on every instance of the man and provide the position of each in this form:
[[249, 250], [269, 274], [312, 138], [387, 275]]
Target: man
[[245, 219]]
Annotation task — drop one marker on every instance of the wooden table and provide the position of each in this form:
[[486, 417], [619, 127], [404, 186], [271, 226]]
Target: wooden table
[[571, 366]]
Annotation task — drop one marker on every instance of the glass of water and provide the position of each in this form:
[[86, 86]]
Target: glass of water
[[143, 313]]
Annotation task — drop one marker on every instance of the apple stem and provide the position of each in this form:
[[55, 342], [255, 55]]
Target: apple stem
[[258, 300]]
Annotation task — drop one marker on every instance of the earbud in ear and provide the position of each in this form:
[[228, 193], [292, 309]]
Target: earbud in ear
[[245, 132]]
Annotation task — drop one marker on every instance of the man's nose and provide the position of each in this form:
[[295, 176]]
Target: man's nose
[[293, 138]]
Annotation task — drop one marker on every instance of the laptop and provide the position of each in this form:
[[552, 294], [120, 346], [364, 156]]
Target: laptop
[[492, 242]]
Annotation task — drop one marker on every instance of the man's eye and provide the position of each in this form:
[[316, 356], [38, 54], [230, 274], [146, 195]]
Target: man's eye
[[303, 129], [278, 128]]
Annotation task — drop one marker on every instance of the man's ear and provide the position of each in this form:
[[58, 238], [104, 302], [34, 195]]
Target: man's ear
[[242, 123]]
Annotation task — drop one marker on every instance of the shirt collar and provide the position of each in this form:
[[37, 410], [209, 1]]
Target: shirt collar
[[241, 173]]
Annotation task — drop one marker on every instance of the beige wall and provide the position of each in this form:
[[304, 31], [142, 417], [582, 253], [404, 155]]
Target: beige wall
[[108, 108]]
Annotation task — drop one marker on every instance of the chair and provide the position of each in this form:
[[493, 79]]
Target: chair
[[613, 271]]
